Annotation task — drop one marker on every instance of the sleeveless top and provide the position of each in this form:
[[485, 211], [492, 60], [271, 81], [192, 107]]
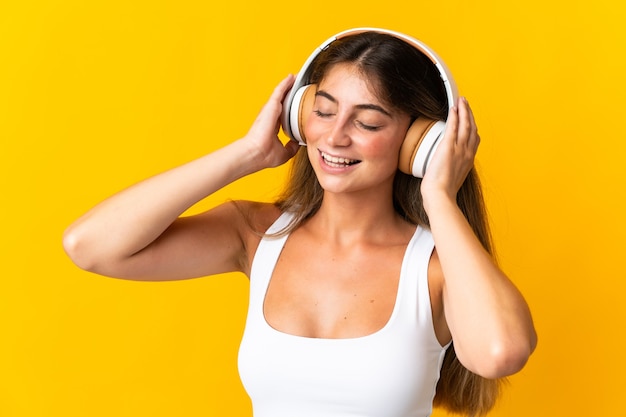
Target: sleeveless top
[[392, 372]]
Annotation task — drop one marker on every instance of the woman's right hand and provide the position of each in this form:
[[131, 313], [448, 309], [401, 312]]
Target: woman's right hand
[[263, 134]]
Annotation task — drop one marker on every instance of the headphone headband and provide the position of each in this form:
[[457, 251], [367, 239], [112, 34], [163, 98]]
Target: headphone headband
[[303, 75]]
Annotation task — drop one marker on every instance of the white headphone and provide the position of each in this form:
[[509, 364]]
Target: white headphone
[[423, 135]]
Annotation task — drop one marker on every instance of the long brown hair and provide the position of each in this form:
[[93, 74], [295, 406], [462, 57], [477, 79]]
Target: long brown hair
[[405, 79]]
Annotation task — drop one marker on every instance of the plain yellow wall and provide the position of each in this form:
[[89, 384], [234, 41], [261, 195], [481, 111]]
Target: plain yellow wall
[[95, 95]]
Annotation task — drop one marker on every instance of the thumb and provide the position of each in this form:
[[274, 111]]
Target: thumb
[[292, 148]]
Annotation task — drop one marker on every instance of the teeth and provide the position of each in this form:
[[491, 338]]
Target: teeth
[[338, 161]]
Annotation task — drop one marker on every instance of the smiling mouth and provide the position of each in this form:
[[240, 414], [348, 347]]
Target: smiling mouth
[[337, 161]]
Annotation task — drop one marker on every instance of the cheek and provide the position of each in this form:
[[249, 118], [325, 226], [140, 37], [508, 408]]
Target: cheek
[[312, 153], [311, 129], [388, 147], [385, 153]]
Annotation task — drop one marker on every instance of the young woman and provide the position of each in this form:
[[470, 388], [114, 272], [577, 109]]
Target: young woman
[[372, 292]]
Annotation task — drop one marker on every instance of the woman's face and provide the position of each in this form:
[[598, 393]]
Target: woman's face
[[353, 139]]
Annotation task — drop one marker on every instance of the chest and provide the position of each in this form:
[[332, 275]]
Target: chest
[[327, 292]]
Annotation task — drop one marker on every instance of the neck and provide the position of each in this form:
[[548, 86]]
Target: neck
[[347, 218]]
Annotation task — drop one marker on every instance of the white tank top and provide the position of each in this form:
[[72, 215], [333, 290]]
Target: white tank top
[[390, 373]]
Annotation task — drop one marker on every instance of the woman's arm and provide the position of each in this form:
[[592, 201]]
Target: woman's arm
[[488, 318], [139, 234]]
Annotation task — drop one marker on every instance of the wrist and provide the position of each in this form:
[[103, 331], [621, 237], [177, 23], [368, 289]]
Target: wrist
[[248, 156], [437, 201]]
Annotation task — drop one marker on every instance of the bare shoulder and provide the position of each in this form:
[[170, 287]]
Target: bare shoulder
[[254, 218], [259, 216]]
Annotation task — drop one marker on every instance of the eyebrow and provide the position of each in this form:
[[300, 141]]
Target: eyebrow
[[375, 107]]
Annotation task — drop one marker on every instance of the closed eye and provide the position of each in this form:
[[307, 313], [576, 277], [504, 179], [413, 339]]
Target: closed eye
[[371, 128], [319, 113]]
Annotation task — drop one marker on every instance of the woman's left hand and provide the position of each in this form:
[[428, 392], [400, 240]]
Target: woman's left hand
[[454, 157], [485, 314]]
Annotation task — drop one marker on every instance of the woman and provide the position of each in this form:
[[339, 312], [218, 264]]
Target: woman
[[371, 290]]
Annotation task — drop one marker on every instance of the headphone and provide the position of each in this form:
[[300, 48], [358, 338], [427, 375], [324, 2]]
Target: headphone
[[423, 135]]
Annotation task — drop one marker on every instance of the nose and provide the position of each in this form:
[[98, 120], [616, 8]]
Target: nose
[[339, 133]]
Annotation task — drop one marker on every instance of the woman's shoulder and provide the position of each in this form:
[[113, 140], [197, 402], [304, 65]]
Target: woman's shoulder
[[254, 219], [257, 216]]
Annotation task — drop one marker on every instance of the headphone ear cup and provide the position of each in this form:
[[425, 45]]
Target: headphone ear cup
[[301, 108], [419, 146]]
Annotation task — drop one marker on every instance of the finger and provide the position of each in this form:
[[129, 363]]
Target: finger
[[474, 136], [464, 123], [452, 125], [282, 88], [292, 147], [468, 131], [273, 107]]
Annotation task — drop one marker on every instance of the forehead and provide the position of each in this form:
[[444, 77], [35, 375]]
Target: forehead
[[353, 80], [350, 78]]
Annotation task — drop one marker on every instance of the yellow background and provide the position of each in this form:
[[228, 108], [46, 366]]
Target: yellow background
[[95, 95]]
